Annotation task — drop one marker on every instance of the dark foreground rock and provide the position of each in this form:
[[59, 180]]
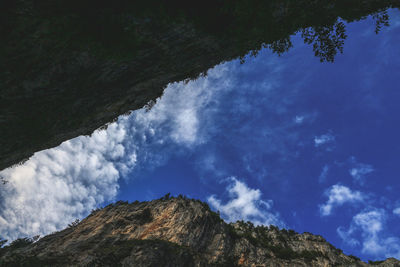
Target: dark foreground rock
[[174, 232], [70, 67]]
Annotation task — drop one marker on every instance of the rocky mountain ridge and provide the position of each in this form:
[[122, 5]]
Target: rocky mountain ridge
[[174, 232]]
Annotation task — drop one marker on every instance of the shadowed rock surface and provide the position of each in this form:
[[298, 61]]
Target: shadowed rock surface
[[174, 232], [70, 67]]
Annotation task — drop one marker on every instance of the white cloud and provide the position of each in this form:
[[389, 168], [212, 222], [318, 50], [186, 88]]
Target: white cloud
[[371, 224], [299, 119], [245, 204], [347, 236], [323, 139], [305, 118], [396, 211], [339, 195], [371, 221], [360, 171], [324, 174], [58, 185]]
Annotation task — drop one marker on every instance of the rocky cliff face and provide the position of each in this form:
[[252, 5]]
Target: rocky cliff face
[[174, 232], [70, 67]]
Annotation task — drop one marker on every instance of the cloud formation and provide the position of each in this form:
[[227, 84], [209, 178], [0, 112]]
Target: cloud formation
[[371, 225], [305, 118], [359, 171], [339, 195], [323, 139], [396, 211], [299, 119], [58, 185], [324, 174], [245, 204]]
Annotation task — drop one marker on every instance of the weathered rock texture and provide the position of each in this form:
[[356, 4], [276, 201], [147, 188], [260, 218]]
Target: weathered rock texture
[[70, 67], [174, 232]]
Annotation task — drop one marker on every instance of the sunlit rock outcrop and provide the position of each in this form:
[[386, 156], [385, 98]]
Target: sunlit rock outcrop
[[174, 232]]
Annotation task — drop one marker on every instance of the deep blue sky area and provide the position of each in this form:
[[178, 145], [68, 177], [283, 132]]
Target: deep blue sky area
[[283, 140], [352, 104]]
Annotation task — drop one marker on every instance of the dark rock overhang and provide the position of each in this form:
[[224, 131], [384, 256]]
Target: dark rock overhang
[[70, 67]]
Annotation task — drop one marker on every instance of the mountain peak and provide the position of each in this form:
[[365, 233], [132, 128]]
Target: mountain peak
[[174, 231]]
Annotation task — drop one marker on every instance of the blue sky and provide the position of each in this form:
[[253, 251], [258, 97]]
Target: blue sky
[[284, 140]]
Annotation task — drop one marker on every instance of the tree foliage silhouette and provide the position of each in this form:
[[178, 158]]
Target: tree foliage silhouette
[[326, 41]]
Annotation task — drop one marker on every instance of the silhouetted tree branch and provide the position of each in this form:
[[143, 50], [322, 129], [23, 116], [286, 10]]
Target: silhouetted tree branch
[[381, 20], [327, 41]]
